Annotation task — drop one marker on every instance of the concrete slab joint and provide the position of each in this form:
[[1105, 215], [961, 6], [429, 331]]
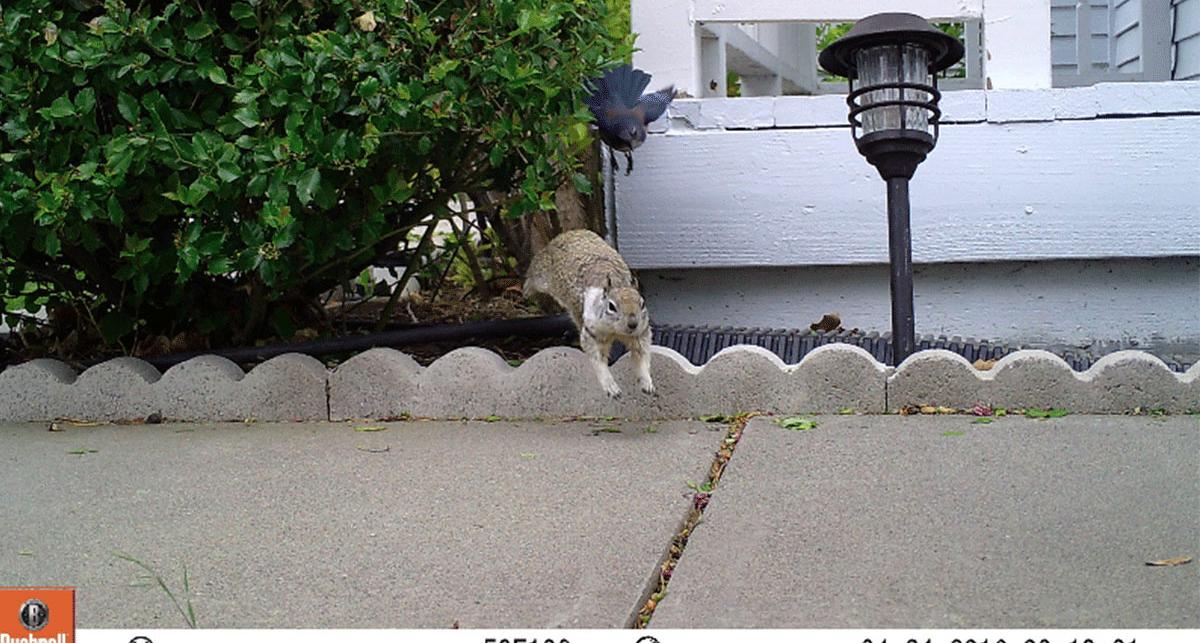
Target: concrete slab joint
[[558, 382]]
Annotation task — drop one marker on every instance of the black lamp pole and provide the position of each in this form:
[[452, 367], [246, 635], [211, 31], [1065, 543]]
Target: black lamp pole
[[904, 339], [894, 121]]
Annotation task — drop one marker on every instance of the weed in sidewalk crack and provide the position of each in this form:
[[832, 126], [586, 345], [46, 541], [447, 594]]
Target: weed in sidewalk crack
[[701, 494]]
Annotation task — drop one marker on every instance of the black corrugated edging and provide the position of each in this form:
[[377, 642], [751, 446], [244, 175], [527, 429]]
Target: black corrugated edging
[[699, 343]]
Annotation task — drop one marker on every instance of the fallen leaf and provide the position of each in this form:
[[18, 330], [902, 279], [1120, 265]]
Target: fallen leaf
[[1042, 414], [845, 410], [984, 364], [50, 33], [529, 456], [828, 322], [74, 422], [1170, 562], [606, 429], [910, 410], [24, 552], [366, 22], [796, 423], [373, 449], [945, 410], [492, 418], [370, 429], [55, 427], [928, 410], [983, 420], [981, 410]]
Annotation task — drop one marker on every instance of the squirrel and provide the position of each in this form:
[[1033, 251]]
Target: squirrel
[[592, 282]]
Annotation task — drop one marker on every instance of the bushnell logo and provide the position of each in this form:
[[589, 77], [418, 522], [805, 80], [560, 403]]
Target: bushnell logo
[[34, 615]]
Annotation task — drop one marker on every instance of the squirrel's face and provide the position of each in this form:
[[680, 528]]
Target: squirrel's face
[[622, 311]]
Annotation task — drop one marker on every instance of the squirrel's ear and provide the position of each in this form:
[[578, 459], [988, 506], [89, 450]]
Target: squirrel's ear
[[633, 281]]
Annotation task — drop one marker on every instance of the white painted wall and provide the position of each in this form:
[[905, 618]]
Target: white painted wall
[[1187, 39], [1155, 302], [1031, 175], [760, 212]]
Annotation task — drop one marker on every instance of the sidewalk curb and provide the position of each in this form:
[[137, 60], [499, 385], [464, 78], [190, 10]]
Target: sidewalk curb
[[557, 382]]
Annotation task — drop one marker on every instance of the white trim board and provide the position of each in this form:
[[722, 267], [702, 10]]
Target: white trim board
[[1078, 189], [960, 106]]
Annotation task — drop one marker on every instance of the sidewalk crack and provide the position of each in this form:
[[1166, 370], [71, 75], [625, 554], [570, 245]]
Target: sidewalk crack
[[660, 578]]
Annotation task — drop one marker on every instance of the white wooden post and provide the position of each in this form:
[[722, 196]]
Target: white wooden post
[[669, 46], [1016, 44], [712, 67]]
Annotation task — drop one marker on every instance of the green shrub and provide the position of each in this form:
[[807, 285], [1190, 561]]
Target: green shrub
[[165, 167]]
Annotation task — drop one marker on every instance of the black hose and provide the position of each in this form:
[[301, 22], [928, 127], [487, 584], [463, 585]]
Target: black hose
[[529, 327]]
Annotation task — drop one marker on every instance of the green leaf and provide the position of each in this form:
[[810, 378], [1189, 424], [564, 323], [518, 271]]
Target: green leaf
[[1043, 414], [228, 171], [582, 184], [217, 75], [198, 30], [241, 11], [306, 185], [128, 107], [796, 423], [210, 242], [116, 214], [247, 115], [246, 96], [982, 420], [62, 107], [85, 100]]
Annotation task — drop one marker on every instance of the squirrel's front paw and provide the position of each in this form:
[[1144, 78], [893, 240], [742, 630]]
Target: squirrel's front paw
[[648, 388], [611, 388]]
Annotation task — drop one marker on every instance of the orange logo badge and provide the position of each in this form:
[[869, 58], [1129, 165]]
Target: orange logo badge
[[37, 615]]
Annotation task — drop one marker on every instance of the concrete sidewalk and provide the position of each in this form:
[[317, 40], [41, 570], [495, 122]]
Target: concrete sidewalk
[[864, 521], [935, 522], [299, 525]]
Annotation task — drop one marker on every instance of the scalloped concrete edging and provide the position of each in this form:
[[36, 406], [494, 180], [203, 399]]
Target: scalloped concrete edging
[[559, 382], [1116, 383], [205, 388]]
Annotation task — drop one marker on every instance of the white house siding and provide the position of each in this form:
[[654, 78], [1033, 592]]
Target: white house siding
[[1043, 217], [1187, 40]]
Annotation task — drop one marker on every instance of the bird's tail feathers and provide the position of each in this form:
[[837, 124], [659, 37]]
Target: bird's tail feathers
[[623, 84]]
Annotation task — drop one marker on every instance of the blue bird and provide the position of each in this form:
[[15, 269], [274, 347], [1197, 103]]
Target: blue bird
[[622, 112]]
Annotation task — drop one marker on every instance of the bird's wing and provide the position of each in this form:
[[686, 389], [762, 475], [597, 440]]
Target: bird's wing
[[655, 104]]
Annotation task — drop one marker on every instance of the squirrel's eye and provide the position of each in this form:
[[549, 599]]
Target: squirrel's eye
[[612, 308]]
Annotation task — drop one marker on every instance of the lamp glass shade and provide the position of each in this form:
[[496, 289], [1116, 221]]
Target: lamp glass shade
[[892, 64]]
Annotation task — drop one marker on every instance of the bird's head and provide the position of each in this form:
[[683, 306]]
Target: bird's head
[[632, 131]]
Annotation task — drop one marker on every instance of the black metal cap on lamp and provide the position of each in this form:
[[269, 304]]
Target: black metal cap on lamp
[[894, 115]]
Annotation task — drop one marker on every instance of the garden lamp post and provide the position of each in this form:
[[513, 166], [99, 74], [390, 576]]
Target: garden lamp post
[[895, 58]]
